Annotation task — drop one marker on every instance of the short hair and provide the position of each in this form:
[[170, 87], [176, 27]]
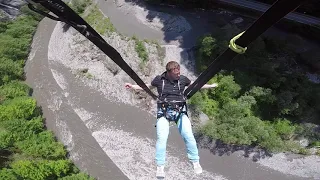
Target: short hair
[[172, 65]]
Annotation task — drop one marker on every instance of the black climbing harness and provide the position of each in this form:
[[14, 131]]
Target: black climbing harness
[[237, 45], [175, 107], [165, 107]]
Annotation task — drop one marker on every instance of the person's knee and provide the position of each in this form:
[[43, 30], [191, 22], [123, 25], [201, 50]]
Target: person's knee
[[162, 123], [162, 128], [161, 145], [189, 137], [162, 139], [185, 119], [186, 130], [185, 124]]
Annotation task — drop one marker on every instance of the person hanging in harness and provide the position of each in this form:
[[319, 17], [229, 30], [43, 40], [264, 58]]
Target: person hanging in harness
[[171, 106]]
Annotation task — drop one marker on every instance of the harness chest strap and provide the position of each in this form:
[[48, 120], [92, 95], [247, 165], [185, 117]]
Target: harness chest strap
[[178, 87]]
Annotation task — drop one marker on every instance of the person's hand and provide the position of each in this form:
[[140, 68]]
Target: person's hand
[[214, 85], [128, 85]]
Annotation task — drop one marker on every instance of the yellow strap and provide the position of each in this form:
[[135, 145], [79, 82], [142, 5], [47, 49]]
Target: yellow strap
[[236, 48]]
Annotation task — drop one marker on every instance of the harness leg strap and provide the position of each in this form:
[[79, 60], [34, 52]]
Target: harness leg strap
[[180, 110]]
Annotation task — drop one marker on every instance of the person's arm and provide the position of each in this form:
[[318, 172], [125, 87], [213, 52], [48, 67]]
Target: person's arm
[[153, 84], [207, 86], [136, 87]]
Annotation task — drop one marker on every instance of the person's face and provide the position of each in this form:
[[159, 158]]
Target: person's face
[[174, 73]]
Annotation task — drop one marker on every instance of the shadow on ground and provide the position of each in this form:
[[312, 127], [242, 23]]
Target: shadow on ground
[[219, 148], [199, 23]]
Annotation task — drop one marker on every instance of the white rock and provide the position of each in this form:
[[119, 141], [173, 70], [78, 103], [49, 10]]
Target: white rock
[[304, 142]]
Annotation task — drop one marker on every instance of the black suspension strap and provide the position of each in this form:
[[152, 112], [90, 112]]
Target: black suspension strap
[[239, 43], [66, 14]]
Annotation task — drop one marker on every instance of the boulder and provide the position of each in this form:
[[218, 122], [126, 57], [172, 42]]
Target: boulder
[[203, 118]]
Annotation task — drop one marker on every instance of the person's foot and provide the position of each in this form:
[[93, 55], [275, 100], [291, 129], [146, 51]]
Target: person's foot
[[197, 167], [160, 172]]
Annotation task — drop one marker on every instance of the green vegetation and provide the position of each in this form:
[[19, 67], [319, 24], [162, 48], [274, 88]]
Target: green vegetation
[[100, 23], [94, 17], [84, 73], [27, 149], [161, 51], [79, 6], [141, 50], [263, 97]]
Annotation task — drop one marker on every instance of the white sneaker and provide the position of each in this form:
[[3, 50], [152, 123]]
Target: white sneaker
[[160, 172], [197, 167]]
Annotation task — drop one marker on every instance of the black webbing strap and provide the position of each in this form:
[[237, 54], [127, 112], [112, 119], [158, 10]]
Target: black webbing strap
[[274, 14], [66, 14]]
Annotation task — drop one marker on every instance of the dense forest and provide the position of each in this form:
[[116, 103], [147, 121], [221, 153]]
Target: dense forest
[[312, 7], [27, 149], [264, 97]]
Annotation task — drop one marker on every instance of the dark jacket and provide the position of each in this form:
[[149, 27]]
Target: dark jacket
[[172, 89]]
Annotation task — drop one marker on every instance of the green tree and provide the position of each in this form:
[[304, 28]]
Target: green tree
[[19, 108], [42, 145], [227, 89], [13, 48], [14, 89], [272, 140], [262, 94], [21, 129], [3, 26], [284, 128], [23, 28], [8, 174], [209, 49], [10, 70], [80, 5], [5, 139], [41, 169]]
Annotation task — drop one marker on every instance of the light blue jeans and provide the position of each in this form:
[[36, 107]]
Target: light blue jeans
[[185, 130]]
